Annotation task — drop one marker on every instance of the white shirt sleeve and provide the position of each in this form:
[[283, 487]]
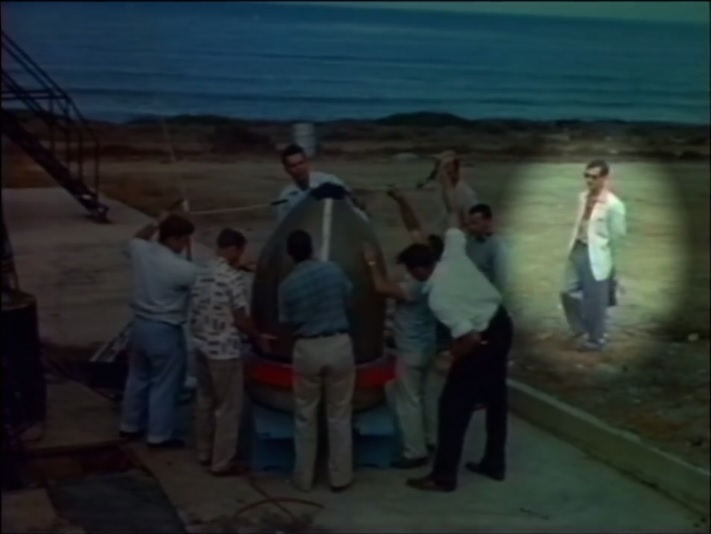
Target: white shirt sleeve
[[448, 316], [460, 296], [455, 244], [136, 246], [465, 198], [283, 208]]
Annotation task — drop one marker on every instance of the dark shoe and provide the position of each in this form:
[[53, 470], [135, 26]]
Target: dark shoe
[[591, 346], [428, 483], [498, 474], [169, 444], [186, 397], [341, 489], [409, 463], [130, 436], [205, 463], [236, 470]]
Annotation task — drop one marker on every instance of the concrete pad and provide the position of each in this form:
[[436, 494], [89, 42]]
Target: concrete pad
[[625, 451], [75, 268], [31, 511], [551, 487], [76, 417]]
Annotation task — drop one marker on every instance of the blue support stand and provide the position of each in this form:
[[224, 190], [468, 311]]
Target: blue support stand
[[375, 438], [272, 440]]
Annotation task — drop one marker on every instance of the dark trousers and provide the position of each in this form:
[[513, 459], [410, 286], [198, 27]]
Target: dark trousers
[[474, 378]]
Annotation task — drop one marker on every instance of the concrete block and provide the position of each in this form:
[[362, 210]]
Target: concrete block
[[625, 451]]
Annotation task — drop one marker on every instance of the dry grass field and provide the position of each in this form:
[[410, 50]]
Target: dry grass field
[[653, 380]]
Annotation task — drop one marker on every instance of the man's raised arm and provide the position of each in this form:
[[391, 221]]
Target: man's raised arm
[[408, 216], [454, 219], [148, 231]]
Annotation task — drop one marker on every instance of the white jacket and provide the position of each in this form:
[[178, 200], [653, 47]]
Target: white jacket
[[606, 228]]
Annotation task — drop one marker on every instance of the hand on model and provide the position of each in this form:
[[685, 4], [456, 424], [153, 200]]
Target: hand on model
[[369, 254], [247, 265], [264, 341]]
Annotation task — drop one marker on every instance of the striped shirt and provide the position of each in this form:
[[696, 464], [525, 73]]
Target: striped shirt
[[314, 298]]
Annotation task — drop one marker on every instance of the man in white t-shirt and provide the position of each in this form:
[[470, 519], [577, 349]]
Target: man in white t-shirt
[[218, 320], [297, 166], [463, 196]]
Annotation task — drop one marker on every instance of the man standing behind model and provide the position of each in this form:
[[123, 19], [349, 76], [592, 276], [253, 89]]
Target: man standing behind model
[[313, 301], [298, 167], [591, 265]]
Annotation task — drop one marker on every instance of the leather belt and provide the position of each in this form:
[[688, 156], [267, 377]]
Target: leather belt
[[326, 334]]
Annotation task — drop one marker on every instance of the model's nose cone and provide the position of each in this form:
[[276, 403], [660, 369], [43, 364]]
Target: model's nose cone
[[338, 234]]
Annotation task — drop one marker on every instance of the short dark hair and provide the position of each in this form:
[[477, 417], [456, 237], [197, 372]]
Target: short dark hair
[[291, 150], [599, 164], [417, 255], [175, 226], [231, 238], [299, 246], [483, 209], [436, 244]]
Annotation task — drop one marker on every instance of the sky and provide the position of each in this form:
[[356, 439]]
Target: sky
[[681, 11]]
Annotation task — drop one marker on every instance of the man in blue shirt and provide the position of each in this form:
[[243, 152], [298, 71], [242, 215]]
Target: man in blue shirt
[[417, 384], [313, 302], [485, 247]]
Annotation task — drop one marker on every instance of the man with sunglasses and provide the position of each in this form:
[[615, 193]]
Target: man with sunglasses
[[589, 286]]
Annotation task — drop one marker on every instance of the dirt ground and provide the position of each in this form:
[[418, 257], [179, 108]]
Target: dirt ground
[[653, 380]]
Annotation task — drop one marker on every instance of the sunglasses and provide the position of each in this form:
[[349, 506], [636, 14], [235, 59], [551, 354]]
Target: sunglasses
[[592, 176]]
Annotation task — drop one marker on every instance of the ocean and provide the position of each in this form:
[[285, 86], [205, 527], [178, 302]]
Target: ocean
[[124, 60]]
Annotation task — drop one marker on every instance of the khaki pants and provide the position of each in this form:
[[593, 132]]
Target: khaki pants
[[418, 386], [220, 385], [323, 364]]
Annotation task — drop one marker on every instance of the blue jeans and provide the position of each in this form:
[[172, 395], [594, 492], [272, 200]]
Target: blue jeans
[[156, 371]]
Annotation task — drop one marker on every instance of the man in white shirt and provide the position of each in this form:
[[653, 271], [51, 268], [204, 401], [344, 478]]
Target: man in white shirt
[[219, 317], [449, 167], [158, 357], [462, 298], [296, 165], [589, 286]]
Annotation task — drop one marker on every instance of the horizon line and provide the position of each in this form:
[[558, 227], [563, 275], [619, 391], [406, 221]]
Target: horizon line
[[484, 8]]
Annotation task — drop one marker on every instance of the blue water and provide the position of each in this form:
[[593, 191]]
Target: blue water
[[121, 60]]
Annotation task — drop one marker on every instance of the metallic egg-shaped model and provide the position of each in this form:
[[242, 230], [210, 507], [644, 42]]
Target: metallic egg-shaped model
[[338, 232]]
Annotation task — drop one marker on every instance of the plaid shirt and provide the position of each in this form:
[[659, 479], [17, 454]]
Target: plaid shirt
[[314, 298], [218, 292]]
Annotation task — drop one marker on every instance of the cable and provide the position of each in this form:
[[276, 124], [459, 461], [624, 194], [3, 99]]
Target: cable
[[240, 208], [275, 501], [273, 203]]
